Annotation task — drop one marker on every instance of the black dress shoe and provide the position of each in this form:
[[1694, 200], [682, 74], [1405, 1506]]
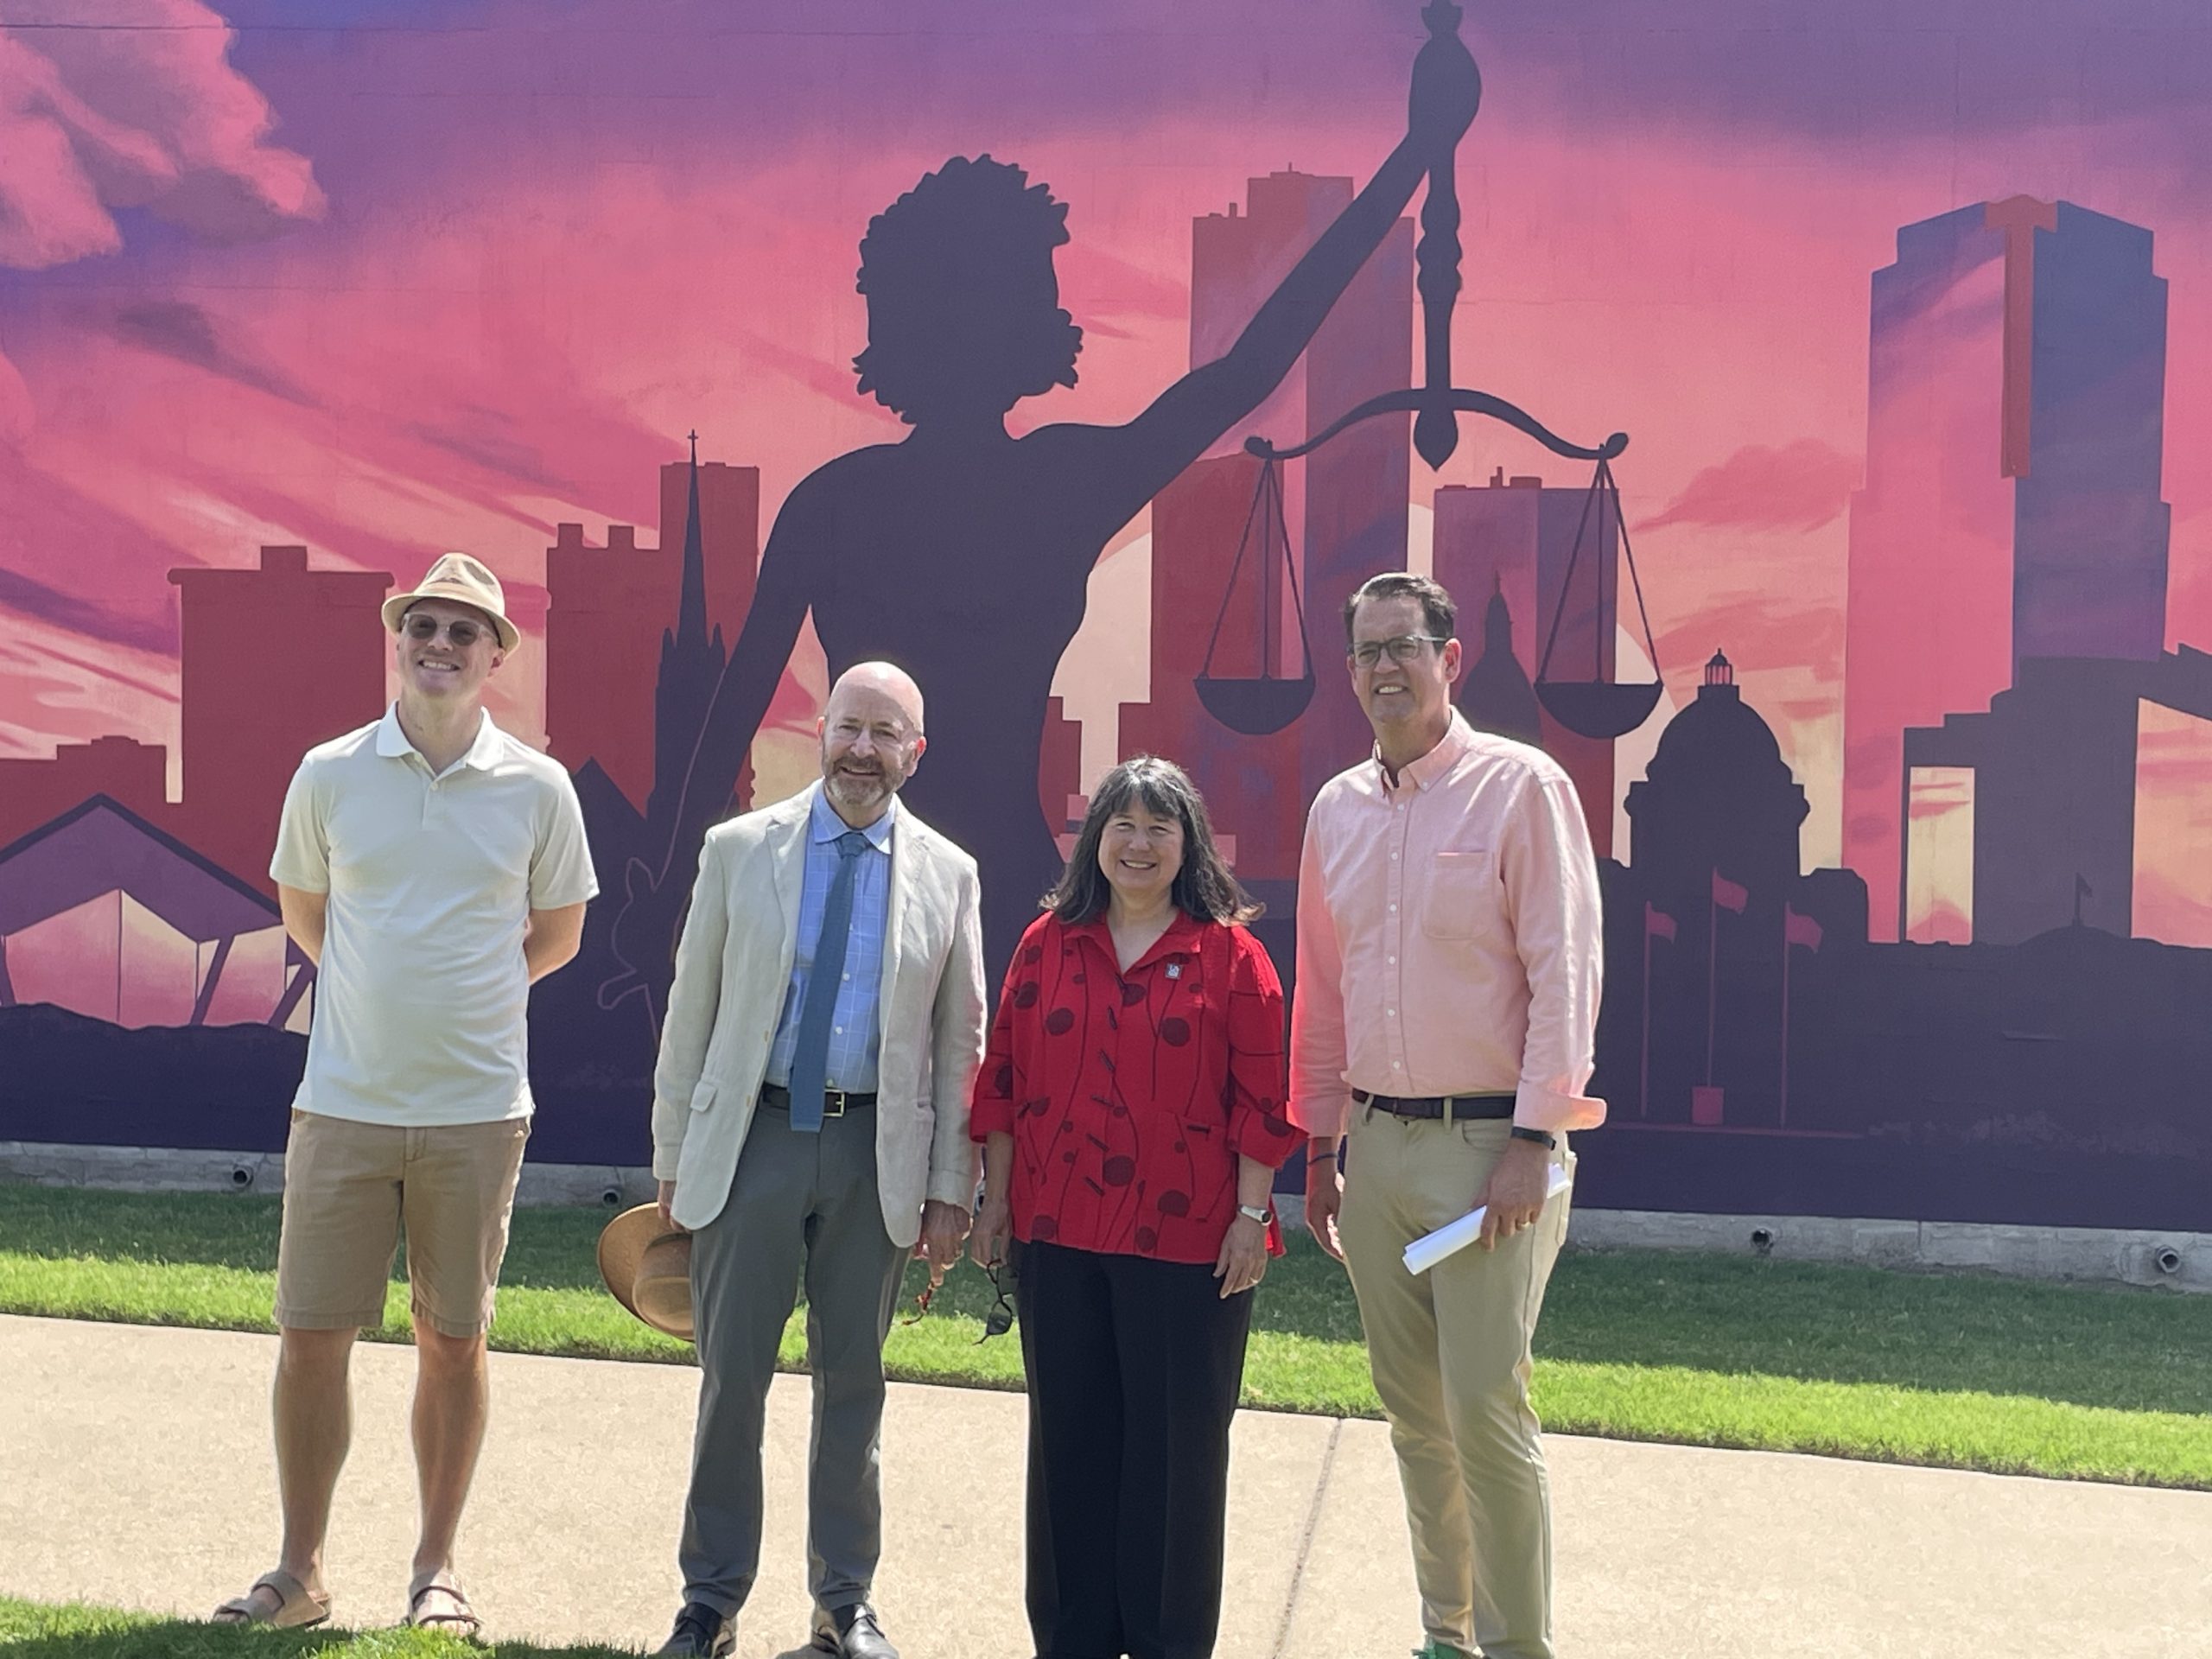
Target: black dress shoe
[[859, 1635], [701, 1632]]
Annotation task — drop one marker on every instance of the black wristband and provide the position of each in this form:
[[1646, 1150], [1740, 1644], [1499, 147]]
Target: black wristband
[[1543, 1138]]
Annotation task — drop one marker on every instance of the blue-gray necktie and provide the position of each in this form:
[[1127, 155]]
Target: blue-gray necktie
[[810, 1059]]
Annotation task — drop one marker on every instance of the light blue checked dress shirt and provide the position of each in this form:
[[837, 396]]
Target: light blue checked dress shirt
[[853, 1026]]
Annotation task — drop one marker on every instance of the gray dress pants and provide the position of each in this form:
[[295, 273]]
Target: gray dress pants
[[797, 1202]]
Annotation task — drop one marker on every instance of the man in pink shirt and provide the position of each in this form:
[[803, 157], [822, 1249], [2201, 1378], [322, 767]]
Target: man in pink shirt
[[1446, 1006]]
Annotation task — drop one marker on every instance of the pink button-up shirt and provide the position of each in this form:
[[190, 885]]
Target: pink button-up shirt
[[1448, 939]]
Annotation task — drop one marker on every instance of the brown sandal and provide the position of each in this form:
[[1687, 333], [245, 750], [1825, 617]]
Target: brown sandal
[[462, 1621], [297, 1606]]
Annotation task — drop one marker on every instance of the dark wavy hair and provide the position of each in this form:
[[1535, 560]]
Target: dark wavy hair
[[1204, 888], [963, 309]]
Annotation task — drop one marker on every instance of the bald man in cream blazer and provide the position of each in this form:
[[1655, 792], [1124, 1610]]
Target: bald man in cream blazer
[[823, 1134]]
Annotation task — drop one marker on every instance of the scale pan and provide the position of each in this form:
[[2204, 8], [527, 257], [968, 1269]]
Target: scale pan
[[1254, 708], [1596, 709]]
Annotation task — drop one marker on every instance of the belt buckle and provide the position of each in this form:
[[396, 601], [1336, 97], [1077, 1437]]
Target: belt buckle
[[833, 1103]]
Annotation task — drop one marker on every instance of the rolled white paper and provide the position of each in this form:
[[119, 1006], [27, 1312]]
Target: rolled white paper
[[1426, 1251]]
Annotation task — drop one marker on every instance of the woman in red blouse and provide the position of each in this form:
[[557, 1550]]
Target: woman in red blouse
[[1131, 1111]]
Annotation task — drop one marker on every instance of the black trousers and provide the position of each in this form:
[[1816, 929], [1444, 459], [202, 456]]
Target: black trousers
[[1135, 1367]]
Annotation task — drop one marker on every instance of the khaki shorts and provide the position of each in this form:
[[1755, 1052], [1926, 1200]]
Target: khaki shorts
[[348, 1187]]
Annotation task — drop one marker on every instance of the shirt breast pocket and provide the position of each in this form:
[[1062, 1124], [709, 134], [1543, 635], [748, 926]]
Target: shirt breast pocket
[[1461, 893]]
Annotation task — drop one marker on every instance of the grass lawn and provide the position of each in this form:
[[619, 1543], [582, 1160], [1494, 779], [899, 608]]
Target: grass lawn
[[1968, 1372], [30, 1630]]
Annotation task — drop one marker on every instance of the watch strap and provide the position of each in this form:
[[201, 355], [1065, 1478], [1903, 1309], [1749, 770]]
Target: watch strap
[[1261, 1215], [1543, 1138]]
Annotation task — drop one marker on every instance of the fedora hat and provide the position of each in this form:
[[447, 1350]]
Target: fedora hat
[[465, 581], [648, 1269]]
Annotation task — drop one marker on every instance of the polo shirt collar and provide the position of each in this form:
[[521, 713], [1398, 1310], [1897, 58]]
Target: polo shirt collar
[[392, 741], [824, 825], [1432, 768]]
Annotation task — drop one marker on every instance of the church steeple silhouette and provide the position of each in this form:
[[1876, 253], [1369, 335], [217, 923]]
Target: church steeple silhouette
[[691, 611], [1495, 694], [691, 663]]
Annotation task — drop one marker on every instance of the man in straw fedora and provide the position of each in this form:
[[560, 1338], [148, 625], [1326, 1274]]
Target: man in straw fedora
[[810, 1118], [431, 867]]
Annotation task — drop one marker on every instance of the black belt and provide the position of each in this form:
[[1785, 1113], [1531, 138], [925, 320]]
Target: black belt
[[836, 1103], [1451, 1108]]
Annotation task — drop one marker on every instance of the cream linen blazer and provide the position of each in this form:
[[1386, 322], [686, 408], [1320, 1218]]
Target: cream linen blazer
[[732, 968]]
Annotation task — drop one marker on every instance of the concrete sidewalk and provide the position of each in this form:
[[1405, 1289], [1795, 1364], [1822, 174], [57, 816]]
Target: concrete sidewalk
[[135, 1470]]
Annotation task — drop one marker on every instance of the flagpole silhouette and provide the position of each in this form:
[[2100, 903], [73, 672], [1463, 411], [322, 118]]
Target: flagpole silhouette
[[1795, 930], [1729, 896], [1658, 924]]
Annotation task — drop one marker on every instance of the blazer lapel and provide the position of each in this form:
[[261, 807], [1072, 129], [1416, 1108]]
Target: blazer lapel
[[790, 870], [904, 854]]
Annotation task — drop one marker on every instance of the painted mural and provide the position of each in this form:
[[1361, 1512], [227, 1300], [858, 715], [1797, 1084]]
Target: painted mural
[[1809, 415]]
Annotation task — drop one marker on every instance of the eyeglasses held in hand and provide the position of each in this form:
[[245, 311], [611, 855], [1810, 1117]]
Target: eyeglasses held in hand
[[1403, 650], [997, 1322], [1000, 1320], [460, 630]]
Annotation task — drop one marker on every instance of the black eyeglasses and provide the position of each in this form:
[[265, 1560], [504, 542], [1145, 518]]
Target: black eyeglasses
[[460, 630], [1403, 650], [1000, 1320], [997, 1321]]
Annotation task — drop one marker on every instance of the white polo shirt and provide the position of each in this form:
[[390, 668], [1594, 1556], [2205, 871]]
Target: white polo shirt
[[421, 1001]]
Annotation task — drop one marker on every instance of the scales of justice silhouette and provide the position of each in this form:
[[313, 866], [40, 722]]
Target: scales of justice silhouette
[[963, 554]]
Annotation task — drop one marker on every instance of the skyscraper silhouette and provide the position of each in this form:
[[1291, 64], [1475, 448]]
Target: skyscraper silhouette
[[1345, 504], [2011, 508], [1516, 537], [1251, 784]]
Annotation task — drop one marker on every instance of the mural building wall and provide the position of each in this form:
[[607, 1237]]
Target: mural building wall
[[695, 324]]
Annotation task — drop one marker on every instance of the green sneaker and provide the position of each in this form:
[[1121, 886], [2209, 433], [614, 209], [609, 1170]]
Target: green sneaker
[[1440, 1650]]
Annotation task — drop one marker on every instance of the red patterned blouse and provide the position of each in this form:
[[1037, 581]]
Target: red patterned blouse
[[1131, 1096]]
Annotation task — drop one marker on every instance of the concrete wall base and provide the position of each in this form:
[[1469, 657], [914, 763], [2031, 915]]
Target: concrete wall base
[[2089, 1254], [2094, 1254], [170, 1169], [2100, 1255]]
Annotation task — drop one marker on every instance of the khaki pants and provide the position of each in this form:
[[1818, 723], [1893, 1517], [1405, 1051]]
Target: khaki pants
[[1449, 1350]]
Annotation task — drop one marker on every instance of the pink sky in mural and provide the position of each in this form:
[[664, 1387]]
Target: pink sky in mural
[[511, 321]]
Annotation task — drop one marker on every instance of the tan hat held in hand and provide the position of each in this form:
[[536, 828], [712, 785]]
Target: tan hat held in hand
[[648, 1269]]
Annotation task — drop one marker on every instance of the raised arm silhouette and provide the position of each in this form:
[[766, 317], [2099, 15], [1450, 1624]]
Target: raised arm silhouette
[[961, 553]]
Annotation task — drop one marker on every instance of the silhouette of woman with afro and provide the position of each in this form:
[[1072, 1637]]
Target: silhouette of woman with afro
[[961, 553]]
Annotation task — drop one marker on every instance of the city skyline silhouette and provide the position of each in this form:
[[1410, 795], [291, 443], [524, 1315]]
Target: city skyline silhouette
[[2046, 773]]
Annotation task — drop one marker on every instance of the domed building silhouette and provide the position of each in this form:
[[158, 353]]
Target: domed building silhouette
[[1713, 897], [1494, 694], [1717, 796]]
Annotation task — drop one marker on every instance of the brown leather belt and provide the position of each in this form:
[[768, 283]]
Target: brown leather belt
[[1453, 1109], [836, 1103]]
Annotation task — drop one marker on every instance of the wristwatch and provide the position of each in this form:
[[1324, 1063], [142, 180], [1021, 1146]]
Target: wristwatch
[[1543, 1138], [1262, 1215]]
